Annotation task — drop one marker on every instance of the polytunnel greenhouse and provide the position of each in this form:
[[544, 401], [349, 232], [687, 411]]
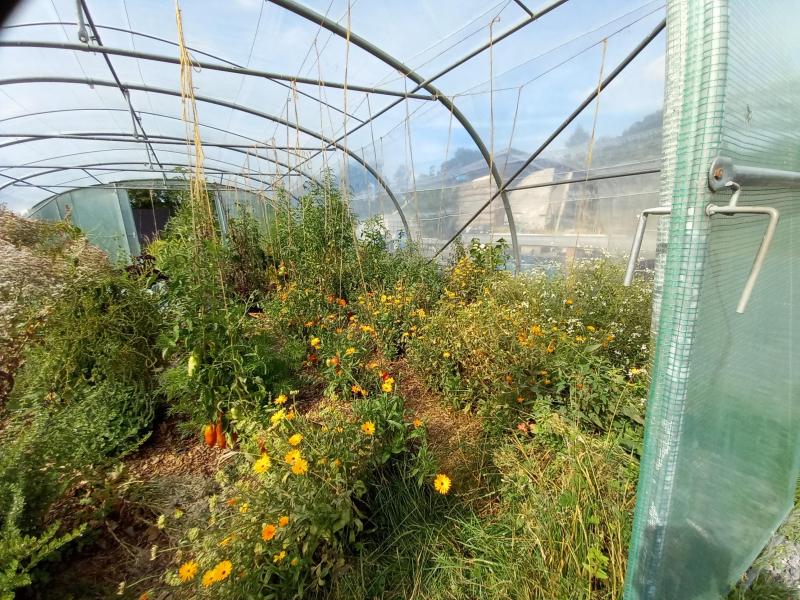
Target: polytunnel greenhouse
[[349, 299]]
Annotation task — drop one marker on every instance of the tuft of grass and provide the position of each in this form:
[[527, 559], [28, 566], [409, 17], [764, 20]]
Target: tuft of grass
[[557, 526]]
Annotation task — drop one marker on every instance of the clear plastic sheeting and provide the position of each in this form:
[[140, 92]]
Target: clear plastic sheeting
[[722, 447], [421, 110]]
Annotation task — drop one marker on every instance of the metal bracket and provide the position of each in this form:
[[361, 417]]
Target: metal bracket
[[724, 174], [637, 240], [83, 35]]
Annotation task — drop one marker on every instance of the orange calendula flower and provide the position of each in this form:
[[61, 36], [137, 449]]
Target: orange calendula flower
[[268, 532], [300, 466], [295, 439], [209, 578], [291, 457], [283, 521], [290, 415], [232, 501], [551, 347], [223, 570], [262, 465], [418, 422], [368, 428], [188, 571], [442, 483]]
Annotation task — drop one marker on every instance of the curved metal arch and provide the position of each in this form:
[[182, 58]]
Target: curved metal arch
[[231, 105], [49, 169], [36, 163], [194, 51], [334, 27], [154, 139], [244, 186], [152, 57]]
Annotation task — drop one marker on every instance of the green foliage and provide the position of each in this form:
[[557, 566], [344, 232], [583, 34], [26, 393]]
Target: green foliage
[[20, 553], [247, 265], [100, 330]]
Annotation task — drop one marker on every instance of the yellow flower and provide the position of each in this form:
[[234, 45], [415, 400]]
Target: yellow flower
[[590, 328], [610, 337], [295, 439], [281, 399], [292, 456], [417, 422], [262, 465], [442, 483], [300, 466], [568, 301], [188, 571], [192, 367], [277, 417], [336, 463], [223, 570], [209, 578], [446, 354], [551, 347], [368, 427], [316, 343], [294, 562], [244, 508], [279, 556], [290, 415], [349, 351], [268, 532], [225, 541], [388, 384], [283, 521], [372, 365]]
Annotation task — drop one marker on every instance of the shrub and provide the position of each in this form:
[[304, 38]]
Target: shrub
[[532, 337]]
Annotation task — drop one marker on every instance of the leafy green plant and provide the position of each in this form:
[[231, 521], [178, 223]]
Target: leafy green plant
[[287, 515]]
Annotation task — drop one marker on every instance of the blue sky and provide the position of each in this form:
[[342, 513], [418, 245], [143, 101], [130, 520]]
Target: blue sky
[[514, 96]]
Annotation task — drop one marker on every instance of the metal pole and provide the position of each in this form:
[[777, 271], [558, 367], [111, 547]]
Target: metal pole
[[637, 240], [723, 171]]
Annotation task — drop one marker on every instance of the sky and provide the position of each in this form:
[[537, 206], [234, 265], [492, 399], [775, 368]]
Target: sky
[[513, 95]]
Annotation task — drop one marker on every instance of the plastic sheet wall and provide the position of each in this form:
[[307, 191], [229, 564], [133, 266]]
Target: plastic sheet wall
[[721, 457]]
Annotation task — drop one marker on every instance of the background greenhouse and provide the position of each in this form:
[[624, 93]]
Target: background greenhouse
[[348, 299]]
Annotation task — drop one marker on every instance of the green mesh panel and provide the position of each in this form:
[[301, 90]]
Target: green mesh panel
[[721, 450]]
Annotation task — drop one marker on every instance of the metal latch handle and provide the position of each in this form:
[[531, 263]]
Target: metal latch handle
[[633, 259], [732, 209]]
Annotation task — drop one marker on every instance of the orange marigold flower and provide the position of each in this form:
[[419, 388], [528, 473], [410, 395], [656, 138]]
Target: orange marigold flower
[[209, 578], [442, 483], [283, 521], [418, 422], [268, 532], [188, 571], [291, 457], [300, 466], [223, 570]]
